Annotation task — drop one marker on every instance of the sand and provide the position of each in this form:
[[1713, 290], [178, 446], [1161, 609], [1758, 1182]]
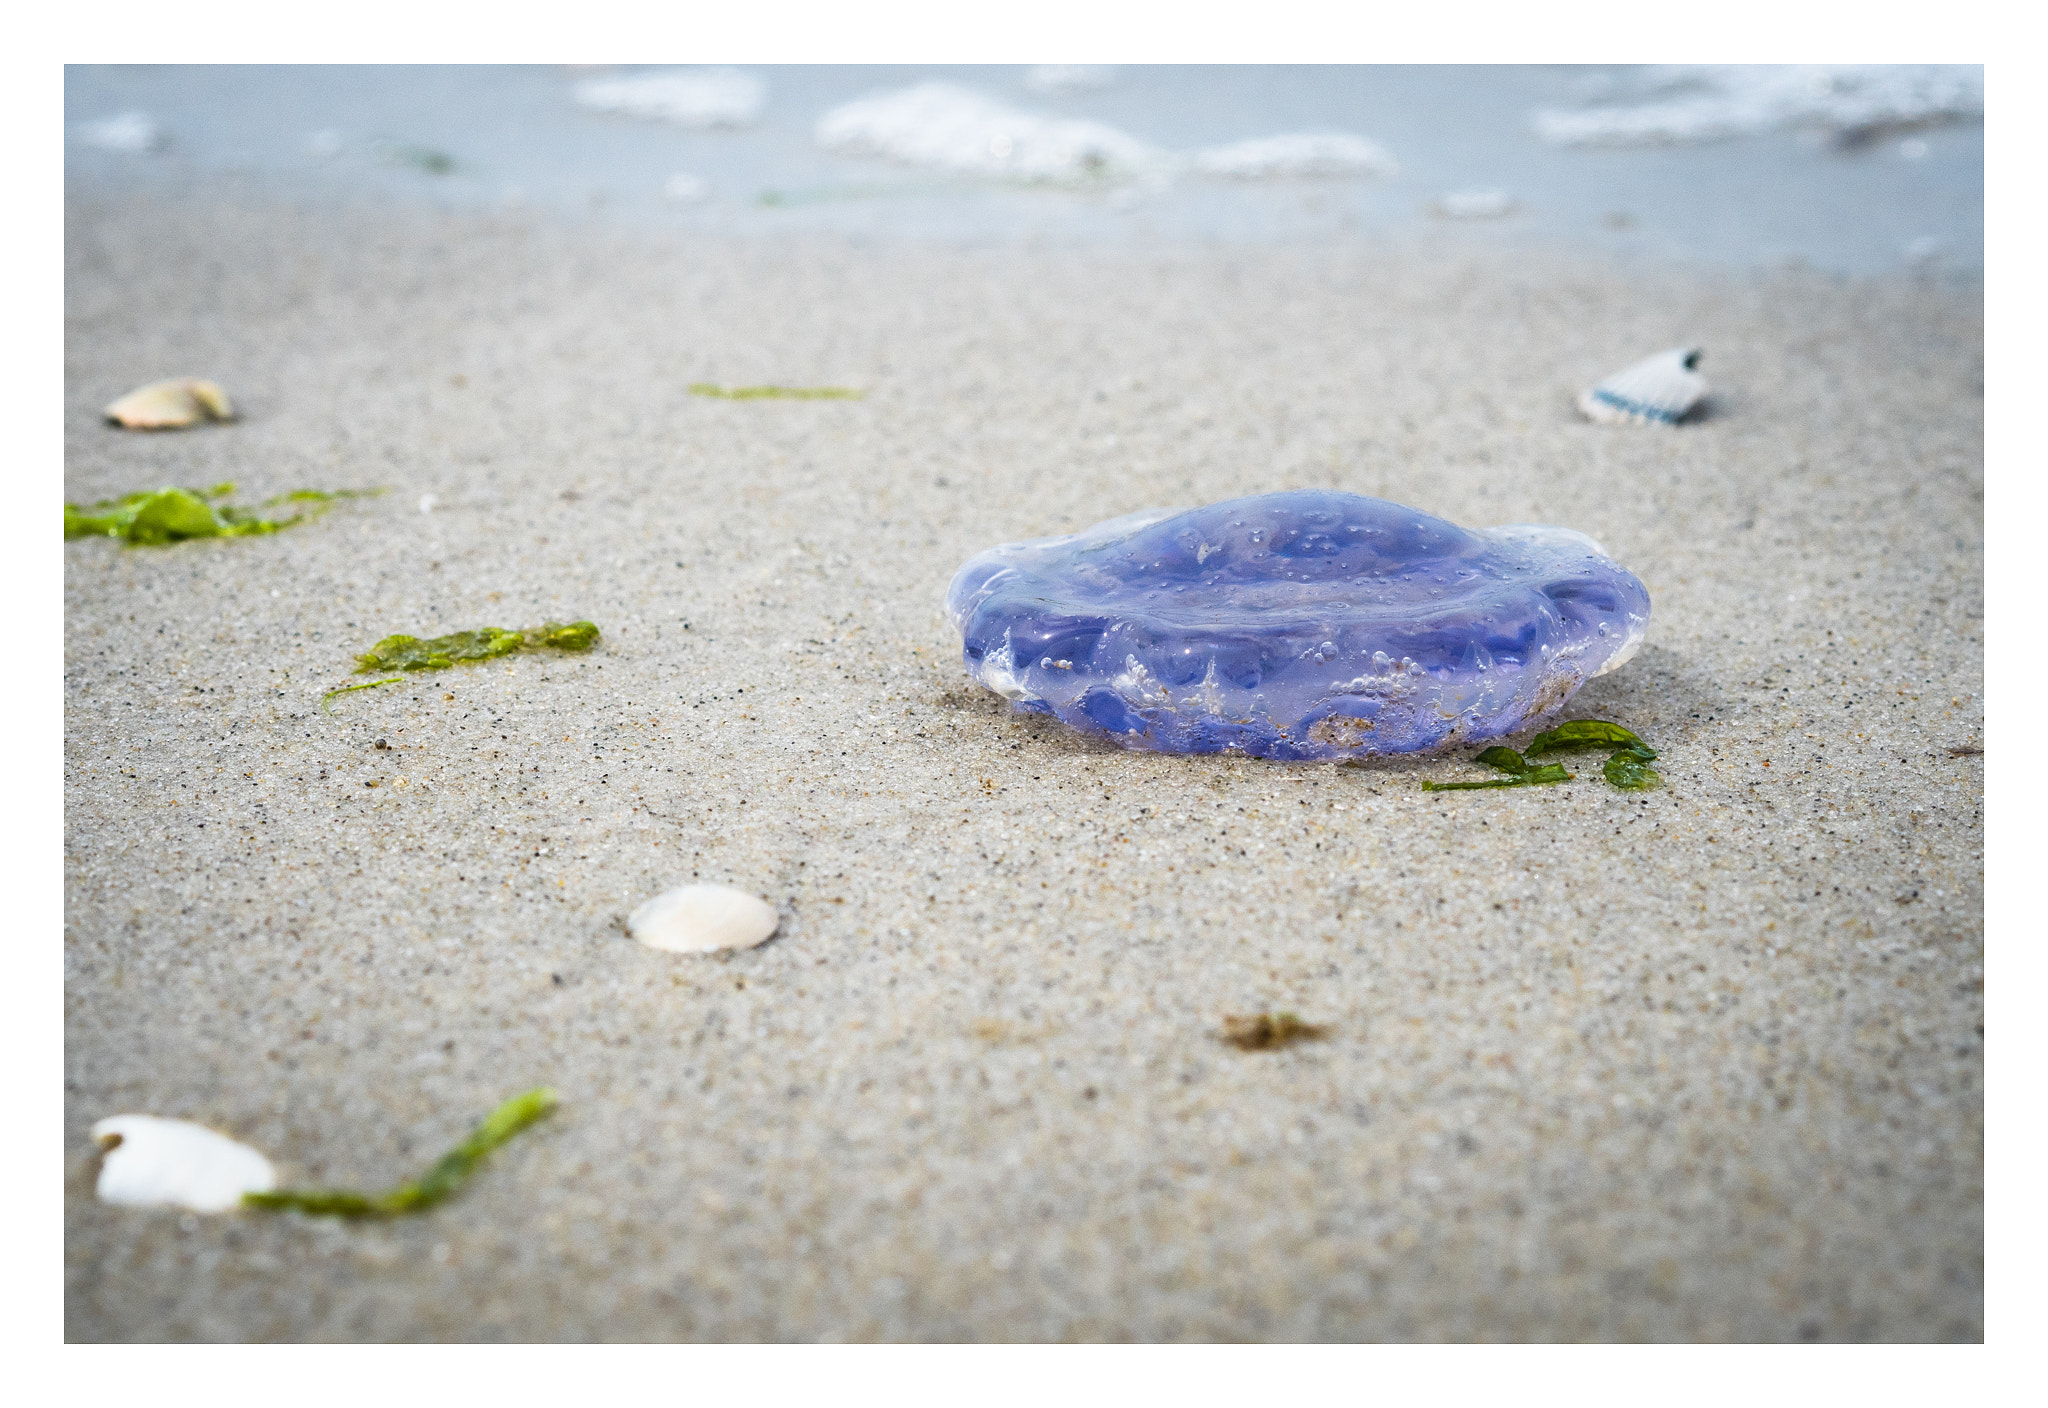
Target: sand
[[1700, 1064]]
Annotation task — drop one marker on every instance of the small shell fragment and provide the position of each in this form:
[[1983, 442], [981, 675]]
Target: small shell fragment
[[702, 919], [171, 405], [1658, 390], [175, 1163]]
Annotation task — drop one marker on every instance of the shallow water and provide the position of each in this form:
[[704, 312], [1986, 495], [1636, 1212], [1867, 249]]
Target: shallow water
[[1813, 187]]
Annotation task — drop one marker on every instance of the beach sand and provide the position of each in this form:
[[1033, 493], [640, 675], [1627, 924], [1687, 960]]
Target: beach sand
[[1704, 1063]]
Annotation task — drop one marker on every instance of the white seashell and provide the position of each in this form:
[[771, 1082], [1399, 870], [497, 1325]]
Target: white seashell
[[1658, 390], [702, 919], [176, 1163], [171, 405]]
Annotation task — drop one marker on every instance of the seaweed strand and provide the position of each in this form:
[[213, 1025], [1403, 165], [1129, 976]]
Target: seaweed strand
[[172, 515], [443, 1179], [485, 643], [352, 688], [1627, 767]]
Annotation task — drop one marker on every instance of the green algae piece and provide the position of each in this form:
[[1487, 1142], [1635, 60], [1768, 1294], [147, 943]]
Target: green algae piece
[[1506, 759], [1528, 777], [431, 160], [352, 688], [484, 643], [439, 1182], [1630, 770], [412, 653], [155, 517], [775, 393], [1518, 769], [1628, 767], [1583, 733], [405, 653]]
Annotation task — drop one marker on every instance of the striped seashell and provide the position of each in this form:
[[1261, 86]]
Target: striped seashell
[[1658, 390]]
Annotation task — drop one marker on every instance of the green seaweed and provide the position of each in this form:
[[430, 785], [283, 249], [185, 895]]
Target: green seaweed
[[352, 688], [484, 643], [775, 393], [1506, 759], [155, 517], [1527, 777], [1583, 733], [440, 1181], [431, 160], [406, 653], [1627, 766], [1630, 770]]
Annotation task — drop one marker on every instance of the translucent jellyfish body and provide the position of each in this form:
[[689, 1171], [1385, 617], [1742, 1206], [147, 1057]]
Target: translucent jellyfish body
[[1303, 626]]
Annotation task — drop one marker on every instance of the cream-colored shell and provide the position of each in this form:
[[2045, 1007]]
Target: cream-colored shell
[[1658, 390], [702, 919], [175, 1163], [171, 405]]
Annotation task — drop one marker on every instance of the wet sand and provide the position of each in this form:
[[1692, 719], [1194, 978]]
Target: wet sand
[[1704, 1063]]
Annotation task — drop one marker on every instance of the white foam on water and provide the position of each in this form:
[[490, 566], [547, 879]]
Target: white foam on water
[[1708, 102], [1054, 79], [704, 97], [953, 129], [685, 189], [175, 1163], [1474, 205], [132, 133], [1297, 154]]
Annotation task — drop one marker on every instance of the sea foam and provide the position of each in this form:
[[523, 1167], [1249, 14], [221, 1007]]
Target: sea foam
[[1055, 79], [957, 130], [1297, 154], [705, 97], [133, 133], [954, 129], [1702, 102]]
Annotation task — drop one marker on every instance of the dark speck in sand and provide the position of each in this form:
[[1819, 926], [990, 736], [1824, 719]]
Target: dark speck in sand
[[1269, 1030]]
